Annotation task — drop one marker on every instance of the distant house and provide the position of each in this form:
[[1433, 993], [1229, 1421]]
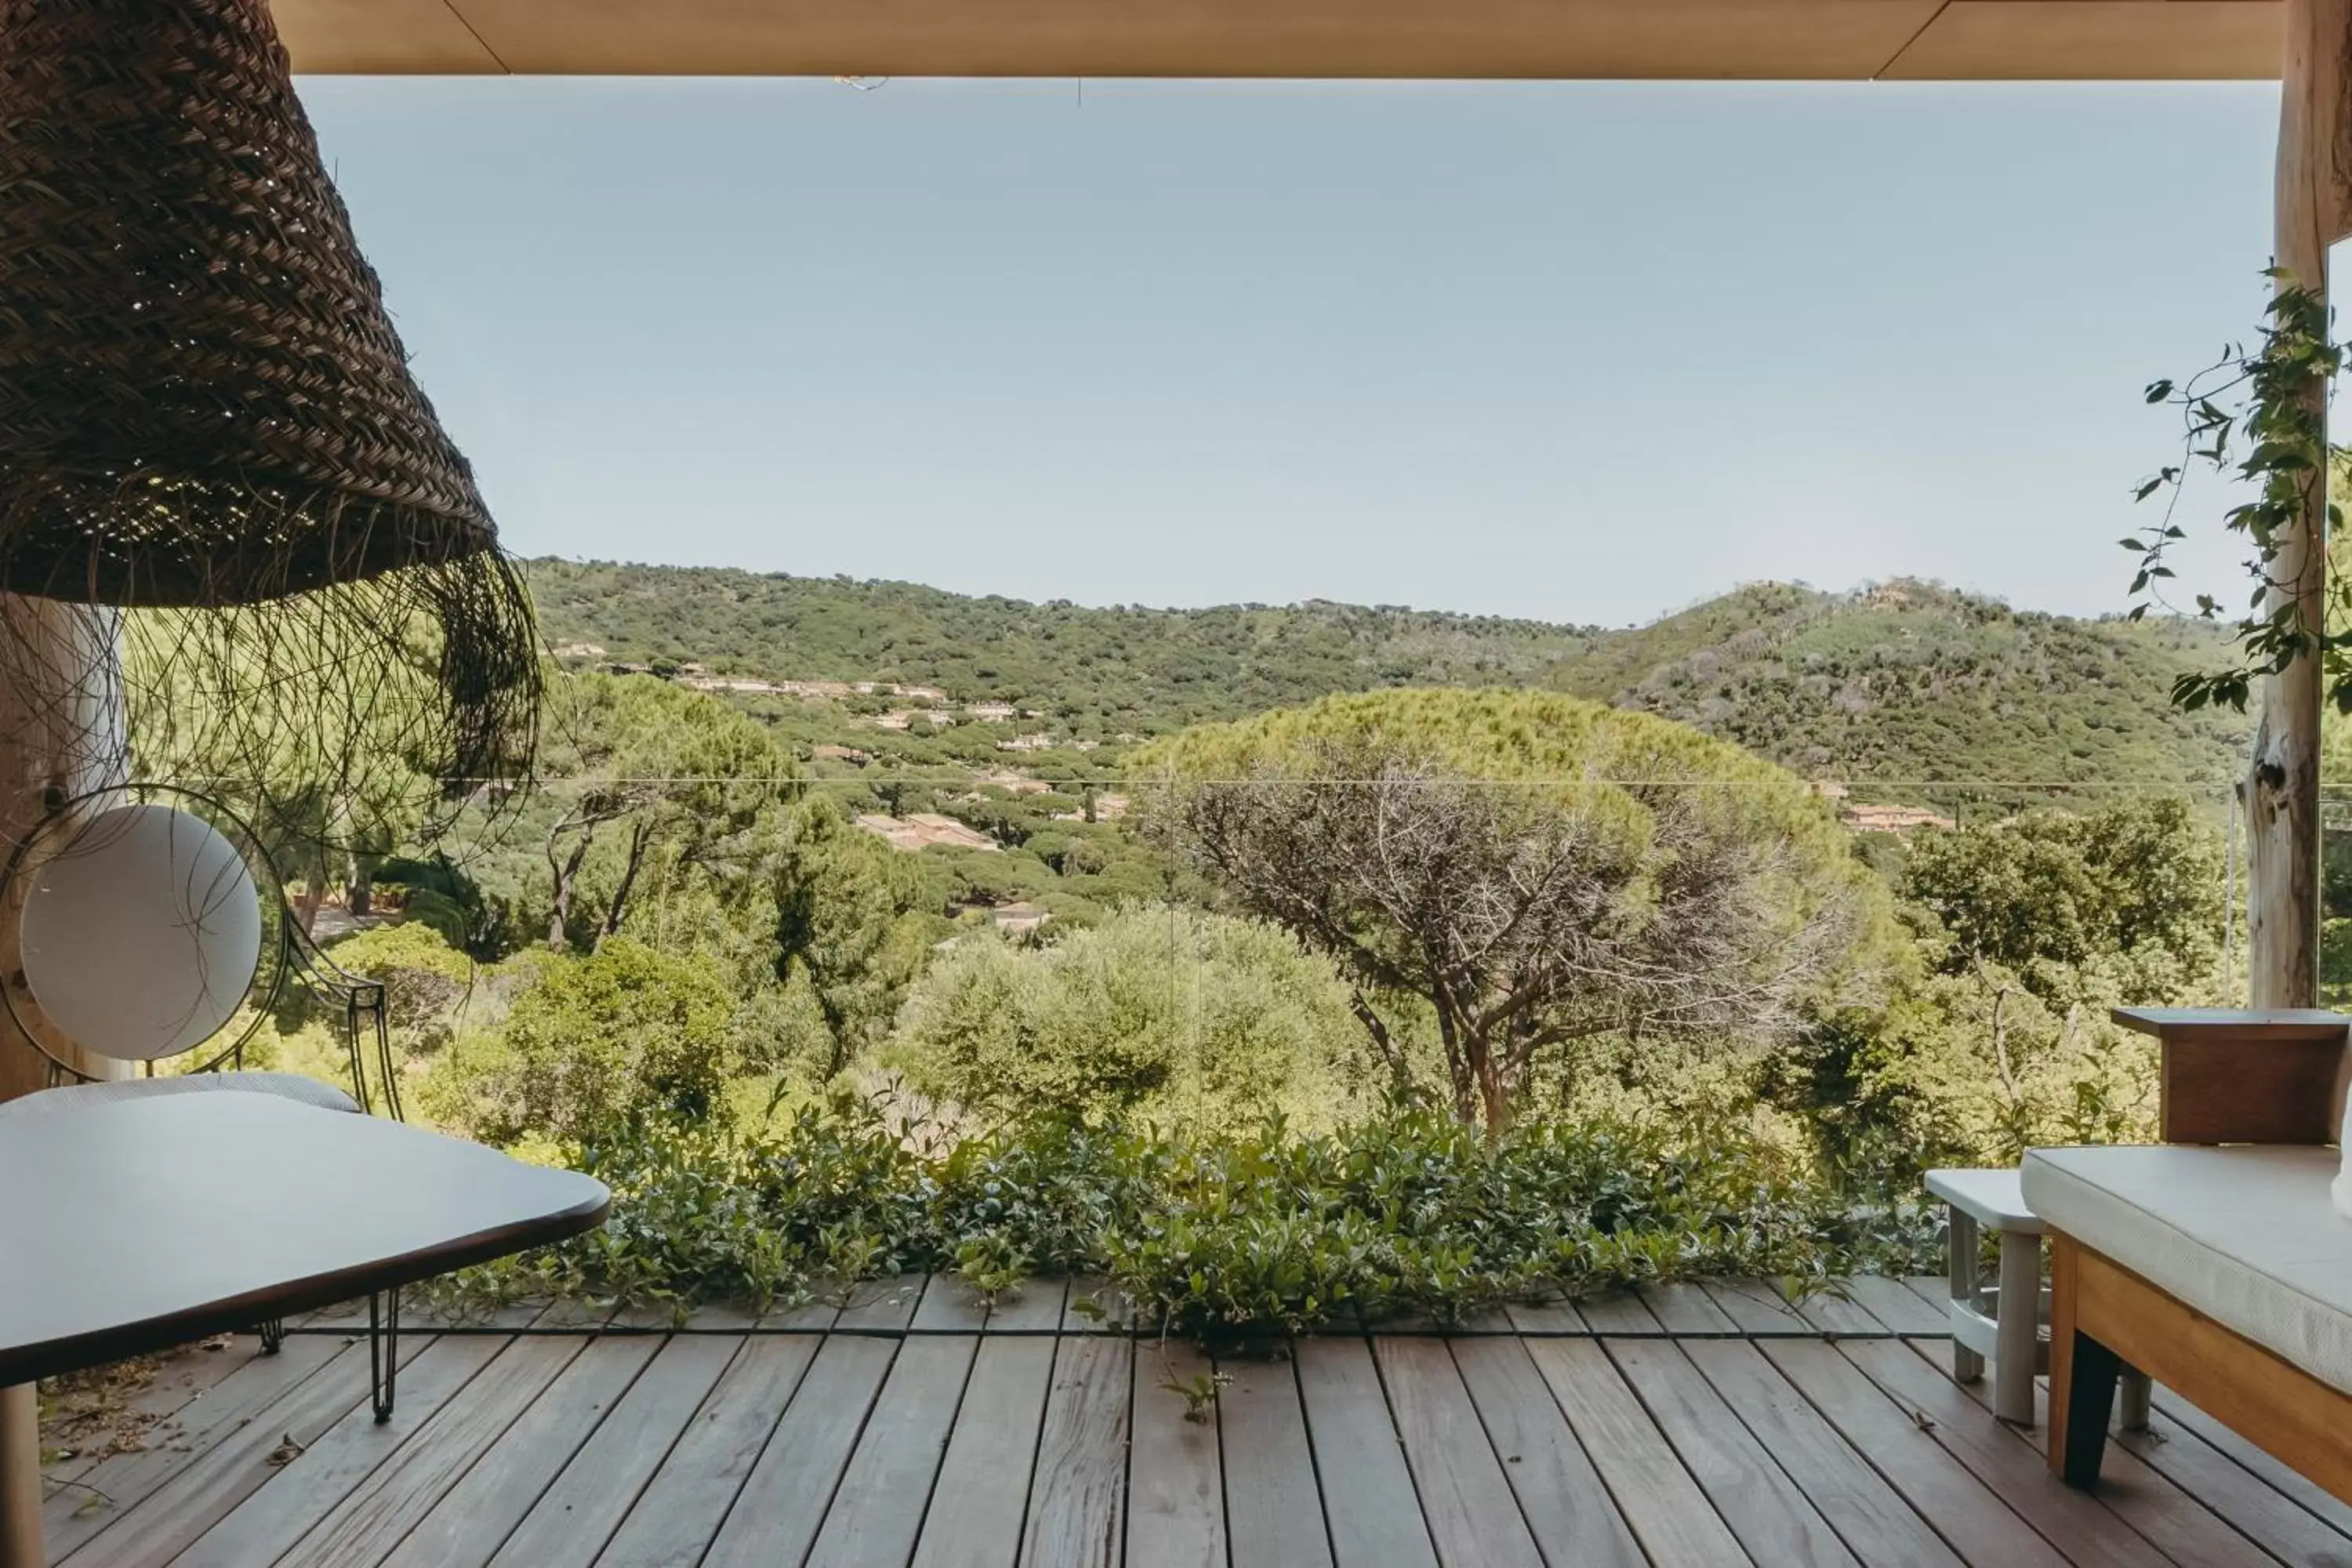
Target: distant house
[[1017, 784], [1036, 742], [990, 712], [1017, 919], [1893, 818], [919, 830]]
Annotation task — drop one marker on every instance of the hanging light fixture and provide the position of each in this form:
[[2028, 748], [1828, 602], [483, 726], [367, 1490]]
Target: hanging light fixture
[[210, 440]]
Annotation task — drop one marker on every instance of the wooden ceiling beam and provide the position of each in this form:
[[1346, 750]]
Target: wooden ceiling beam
[[1468, 39]]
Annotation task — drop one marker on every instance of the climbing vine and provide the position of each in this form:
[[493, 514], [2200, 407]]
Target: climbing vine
[[2254, 416]]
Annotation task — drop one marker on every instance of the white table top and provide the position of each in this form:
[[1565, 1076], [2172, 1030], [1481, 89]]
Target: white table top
[[141, 1224], [1989, 1197]]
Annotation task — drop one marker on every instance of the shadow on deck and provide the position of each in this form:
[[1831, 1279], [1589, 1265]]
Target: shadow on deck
[[913, 1425]]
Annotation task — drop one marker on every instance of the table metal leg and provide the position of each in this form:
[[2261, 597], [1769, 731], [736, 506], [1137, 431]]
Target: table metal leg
[[20, 1478], [2131, 1402], [2018, 1331], [1961, 1231], [384, 1351]]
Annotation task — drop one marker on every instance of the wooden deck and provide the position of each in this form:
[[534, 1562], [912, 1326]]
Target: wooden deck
[[913, 1426]]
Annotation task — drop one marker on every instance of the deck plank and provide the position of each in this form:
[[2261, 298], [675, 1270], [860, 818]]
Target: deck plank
[[422, 1471], [978, 1450], [1175, 1485], [181, 1377], [878, 1512], [569, 1524], [1896, 1306], [276, 1502], [813, 1316], [1269, 1468], [1369, 1500], [1967, 1513], [466, 1528], [1762, 1500], [2271, 1521], [2180, 1526], [777, 1514], [2335, 1512], [1832, 1312], [2091, 1533], [111, 1488], [1466, 1502], [1682, 1308], [1567, 1509], [1758, 1307], [881, 1306], [949, 1306], [1077, 1495], [1617, 1312], [1033, 1306], [682, 1509], [1095, 1306], [1555, 1316], [982, 1493], [1668, 1513]]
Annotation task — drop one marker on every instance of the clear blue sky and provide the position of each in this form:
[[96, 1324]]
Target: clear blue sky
[[1581, 351]]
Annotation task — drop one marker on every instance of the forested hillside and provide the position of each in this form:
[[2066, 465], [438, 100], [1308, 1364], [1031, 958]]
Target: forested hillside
[[1099, 670], [1905, 683], [1910, 683]]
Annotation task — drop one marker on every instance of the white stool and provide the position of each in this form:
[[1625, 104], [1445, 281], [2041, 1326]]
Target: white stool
[[2006, 1323]]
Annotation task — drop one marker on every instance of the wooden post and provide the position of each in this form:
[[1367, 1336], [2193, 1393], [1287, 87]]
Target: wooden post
[[2314, 199], [61, 734]]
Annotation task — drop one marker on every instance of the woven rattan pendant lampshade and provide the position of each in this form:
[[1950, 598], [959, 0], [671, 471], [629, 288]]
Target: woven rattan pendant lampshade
[[204, 412]]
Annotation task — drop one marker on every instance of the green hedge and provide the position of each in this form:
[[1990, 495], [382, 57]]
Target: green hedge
[[1257, 1233]]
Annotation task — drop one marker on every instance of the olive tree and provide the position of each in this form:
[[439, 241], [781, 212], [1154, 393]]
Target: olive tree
[[1539, 870]]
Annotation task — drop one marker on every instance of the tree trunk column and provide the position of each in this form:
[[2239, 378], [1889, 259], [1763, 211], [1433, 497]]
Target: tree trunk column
[[61, 735], [2281, 793]]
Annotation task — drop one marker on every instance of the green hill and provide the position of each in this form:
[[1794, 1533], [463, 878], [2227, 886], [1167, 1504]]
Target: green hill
[[1927, 692], [1098, 670], [1907, 683]]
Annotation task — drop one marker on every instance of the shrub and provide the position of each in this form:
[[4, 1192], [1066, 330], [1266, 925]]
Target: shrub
[[1161, 1011], [426, 979], [592, 1043], [1226, 1235]]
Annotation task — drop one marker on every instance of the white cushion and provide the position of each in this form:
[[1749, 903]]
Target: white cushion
[[284, 1085], [2246, 1235]]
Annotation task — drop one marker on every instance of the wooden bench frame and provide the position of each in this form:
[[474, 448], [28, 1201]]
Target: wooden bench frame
[[2225, 1078]]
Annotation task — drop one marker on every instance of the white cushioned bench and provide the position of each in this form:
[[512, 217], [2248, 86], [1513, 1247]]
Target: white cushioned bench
[[2244, 1235], [2214, 1262]]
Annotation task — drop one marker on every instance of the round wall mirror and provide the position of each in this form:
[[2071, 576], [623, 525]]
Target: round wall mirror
[[143, 933]]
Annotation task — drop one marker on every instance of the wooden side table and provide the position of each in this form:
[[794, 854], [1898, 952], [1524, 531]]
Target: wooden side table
[[2006, 1323]]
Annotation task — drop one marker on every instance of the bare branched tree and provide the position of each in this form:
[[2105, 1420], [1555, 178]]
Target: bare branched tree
[[1528, 915]]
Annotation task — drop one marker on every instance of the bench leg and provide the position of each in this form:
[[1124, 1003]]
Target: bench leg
[[2090, 1403], [2082, 1374], [2017, 1327], [1961, 1251]]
